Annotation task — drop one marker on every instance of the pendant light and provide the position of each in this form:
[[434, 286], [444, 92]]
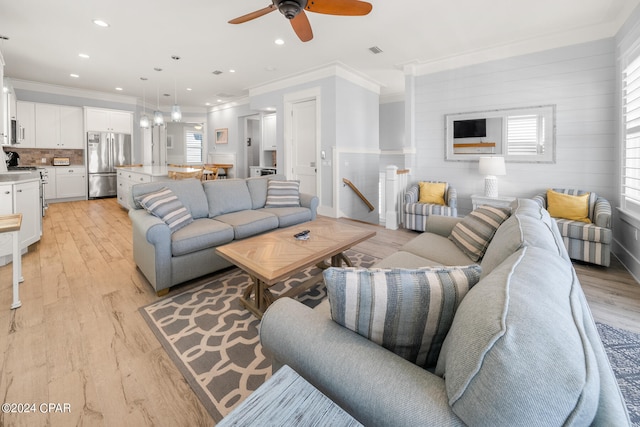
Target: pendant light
[[158, 120], [144, 120], [176, 113]]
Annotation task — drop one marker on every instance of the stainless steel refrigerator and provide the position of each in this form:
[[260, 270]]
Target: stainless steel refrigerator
[[105, 151]]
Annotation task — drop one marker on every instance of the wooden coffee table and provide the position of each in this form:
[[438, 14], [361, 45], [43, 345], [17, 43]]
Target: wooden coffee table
[[273, 257]]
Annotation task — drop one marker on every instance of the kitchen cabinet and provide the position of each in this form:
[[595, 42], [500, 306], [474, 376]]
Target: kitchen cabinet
[[24, 198], [71, 182], [100, 120], [50, 191], [269, 132], [4, 115], [26, 114], [58, 126], [126, 180]]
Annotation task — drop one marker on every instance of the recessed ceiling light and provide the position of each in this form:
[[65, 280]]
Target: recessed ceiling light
[[219, 100], [189, 89], [100, 23], [83, 55], [118, 88], [279, 42], [75, 76], [207, 103], [232, 71]]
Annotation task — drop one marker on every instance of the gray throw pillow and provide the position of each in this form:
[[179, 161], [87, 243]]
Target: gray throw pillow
[[408, 312], [283, 194], [165, 205], [474, 232]]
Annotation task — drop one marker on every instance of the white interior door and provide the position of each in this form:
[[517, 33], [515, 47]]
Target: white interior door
[[304, 145]]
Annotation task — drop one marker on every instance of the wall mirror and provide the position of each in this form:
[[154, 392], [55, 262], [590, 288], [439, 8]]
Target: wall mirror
[[518, 134]]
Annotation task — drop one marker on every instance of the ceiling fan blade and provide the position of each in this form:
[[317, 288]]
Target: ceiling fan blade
[[253, 15], [302, 27], [339, 7]]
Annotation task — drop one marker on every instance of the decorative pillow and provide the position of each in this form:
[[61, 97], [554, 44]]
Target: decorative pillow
[[408, 312], [575, 208], [474, 232], [432, 192], [282, 194], [165, 205]]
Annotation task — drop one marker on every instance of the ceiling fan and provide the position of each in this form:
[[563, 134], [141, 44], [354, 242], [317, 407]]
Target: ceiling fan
[[294, 11]]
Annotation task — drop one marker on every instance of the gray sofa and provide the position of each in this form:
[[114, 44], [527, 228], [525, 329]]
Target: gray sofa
[[523, 348], [223, 211]]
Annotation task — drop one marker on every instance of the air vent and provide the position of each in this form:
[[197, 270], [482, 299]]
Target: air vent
[[375, 50], [217, 72]]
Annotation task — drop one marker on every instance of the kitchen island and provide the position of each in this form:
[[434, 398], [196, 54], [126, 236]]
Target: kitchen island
[[129, 176], [20, 193]]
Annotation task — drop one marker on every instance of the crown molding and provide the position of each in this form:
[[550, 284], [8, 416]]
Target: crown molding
[[228, 105], [509, 50], [336, 69], [69, 91]]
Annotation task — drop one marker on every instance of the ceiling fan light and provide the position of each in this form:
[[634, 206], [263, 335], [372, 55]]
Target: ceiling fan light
[[289, 8], [158, 120], [176, 114], [144, 122]]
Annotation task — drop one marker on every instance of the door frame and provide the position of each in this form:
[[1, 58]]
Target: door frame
[[313, 94]]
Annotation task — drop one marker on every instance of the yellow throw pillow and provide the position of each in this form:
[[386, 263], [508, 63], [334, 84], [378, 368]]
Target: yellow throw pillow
[[432, 192], [565, 206]]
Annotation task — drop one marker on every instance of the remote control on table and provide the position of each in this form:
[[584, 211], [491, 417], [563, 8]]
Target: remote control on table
[[301, 234]]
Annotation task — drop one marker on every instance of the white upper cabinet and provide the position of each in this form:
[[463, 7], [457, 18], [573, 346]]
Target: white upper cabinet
[[58, 126], [71, 127], [100, 120], [269, 132], [27, 119]]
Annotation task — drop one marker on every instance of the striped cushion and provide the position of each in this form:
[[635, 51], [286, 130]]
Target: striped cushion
[[408, 312], [283, 194], [165, 205], [473, 234]]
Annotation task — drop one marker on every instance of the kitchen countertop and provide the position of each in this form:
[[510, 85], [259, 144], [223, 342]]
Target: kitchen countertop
[[155, 170], [15, 177]]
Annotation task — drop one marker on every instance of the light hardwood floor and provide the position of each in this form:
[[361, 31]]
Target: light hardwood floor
[[79, 338]]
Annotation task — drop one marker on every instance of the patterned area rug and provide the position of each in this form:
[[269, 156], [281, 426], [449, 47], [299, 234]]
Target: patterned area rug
[[214, 341], [623, 349]]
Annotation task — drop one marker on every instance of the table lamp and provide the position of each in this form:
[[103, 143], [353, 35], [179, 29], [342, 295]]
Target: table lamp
[[491, 167]]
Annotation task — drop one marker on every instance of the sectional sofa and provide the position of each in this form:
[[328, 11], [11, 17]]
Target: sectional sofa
[[522, 347], [221, 211]]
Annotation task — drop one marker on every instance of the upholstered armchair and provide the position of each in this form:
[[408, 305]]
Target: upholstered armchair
[[589, 242], [416, 213]]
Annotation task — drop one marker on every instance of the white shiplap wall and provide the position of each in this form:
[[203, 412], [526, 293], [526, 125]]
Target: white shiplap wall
[[580, 80]]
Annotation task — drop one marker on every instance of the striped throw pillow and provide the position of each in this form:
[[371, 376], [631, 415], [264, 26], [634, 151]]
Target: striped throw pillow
[[283, 194], [408, 312], [474, 232], [165, 205]]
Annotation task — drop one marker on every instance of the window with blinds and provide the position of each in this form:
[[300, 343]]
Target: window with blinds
[[194, 146], [525, 135], [631, 152]]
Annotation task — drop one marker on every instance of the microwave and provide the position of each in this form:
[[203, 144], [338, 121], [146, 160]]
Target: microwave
[[17, 132]]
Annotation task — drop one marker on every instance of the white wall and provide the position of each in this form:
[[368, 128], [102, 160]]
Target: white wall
[[349, 126], [579, 80]]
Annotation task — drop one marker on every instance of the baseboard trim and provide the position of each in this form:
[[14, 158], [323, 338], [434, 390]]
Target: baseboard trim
[[627, 259]]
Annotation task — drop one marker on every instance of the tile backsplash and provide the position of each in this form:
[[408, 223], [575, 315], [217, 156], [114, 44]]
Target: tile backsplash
[[34, 156]]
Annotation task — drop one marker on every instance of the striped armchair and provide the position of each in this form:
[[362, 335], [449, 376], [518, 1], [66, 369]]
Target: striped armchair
[[415, 213], [586, 242]]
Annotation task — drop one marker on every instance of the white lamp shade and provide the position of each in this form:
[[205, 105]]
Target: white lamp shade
[[158, 120], [176, 113], [144, 122], [492, 166]]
